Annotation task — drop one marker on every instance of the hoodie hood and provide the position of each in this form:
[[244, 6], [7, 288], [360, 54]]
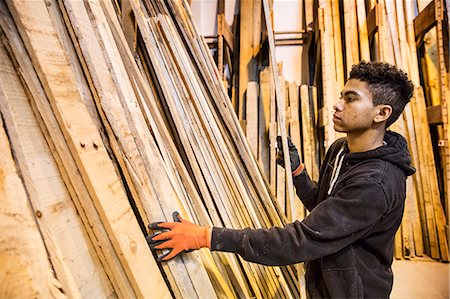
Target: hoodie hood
[[395, 151]]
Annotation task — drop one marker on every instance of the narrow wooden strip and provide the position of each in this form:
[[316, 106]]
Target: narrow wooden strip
[[252, 116]]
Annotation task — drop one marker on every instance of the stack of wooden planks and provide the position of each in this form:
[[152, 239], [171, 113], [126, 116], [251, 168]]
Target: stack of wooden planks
[[104, 131], [113, 115]]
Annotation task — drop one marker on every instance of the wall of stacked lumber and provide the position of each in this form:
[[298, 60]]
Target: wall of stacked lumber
[[113, 115], [410, 34], [105, 130]]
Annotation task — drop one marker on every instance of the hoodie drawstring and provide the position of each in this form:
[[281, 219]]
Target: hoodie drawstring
[[336, 169]]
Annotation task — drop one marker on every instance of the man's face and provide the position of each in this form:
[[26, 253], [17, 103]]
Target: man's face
[[354, 112]]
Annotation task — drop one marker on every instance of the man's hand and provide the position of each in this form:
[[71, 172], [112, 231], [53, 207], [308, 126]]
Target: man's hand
[[296, 166], [178, 237]]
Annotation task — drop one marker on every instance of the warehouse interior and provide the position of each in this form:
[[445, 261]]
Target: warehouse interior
[[116, 113]]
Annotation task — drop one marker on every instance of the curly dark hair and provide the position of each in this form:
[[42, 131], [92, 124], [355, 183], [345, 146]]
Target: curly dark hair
[[388, 85]]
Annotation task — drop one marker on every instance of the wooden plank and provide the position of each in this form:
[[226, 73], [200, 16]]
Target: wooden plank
[[296, 135], [411, 133], [247, 65], [425, 20], [264, 122], [351, 35], [443, 70], [92, 159], [252, 116], [279, 99], [26, 269], [273, 132], [362, 29], [328, 73], [339, 60], [128, 24], [372, 22], [48, 193]]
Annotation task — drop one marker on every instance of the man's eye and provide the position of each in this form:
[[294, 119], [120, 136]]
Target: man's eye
[[350, 99]]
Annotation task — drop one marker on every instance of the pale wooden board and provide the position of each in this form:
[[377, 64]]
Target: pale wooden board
[[246, 49], [338, 50], [328, 73], [92, 159], [252, 116], [279, 101], [351, 34], [264, 122], [48, 193], [26, 270], [362, 29]]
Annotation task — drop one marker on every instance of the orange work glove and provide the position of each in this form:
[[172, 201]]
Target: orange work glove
[[180, 236]]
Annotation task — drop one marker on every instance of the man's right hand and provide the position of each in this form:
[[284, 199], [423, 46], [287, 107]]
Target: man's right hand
[[296, 165]]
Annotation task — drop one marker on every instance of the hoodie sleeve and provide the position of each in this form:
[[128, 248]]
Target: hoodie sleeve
[[306, 189], [333, 224]]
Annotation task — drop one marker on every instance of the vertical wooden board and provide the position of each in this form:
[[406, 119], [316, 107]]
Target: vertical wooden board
[[105, 187], [308, 138], [296, 137], [252, 117], [338, 49], [362, 28], [273, 132], [246, 63], [264, 122], [351, 34], [281, 188], [26, 271], [279, 101], [328, 74], [48, 193], [257, 17]]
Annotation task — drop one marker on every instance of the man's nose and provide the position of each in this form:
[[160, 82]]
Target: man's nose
[[339, 105]]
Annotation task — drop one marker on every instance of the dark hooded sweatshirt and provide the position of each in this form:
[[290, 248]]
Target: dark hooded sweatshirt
[[347, 239]]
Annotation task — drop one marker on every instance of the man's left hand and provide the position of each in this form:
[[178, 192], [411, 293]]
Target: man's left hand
[[181, 236]]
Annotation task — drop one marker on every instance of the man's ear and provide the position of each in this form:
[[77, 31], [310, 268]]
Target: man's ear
[[384, 111]]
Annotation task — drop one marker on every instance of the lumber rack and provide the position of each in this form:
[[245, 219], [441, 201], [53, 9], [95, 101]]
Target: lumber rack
[[292, 38], [433, 16]]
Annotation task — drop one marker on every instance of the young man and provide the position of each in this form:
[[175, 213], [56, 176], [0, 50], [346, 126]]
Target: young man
[[355, 208]]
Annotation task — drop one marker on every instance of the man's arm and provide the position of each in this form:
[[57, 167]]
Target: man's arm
[[332, 225]]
